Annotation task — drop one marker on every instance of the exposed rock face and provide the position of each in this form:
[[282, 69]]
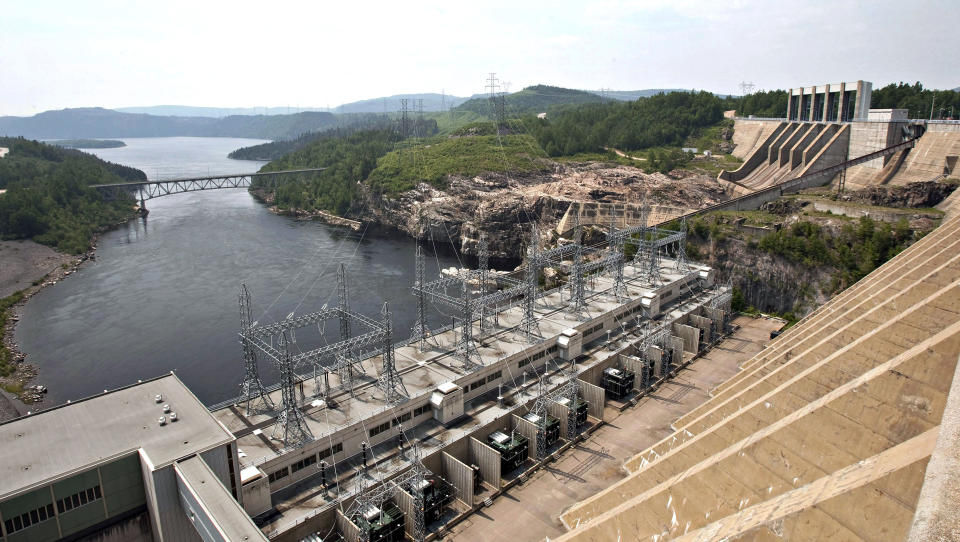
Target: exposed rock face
[[504, 206], [912, 195], [459, 214], [769, 283]]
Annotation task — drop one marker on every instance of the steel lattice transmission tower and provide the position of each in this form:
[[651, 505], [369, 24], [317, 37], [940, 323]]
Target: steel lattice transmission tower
[[619, 288], [573, 394], [343, 302], [498, 104], [466, 348], [541, 412], [417, 479], [390, 382], [682, 263], [529, 326], [290, 423], [404, 118], [647, 258], [483, 255], [420, 330], [578, 299], [252, 392]]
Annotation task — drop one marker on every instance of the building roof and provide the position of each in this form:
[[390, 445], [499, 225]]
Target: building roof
[[76, 436], [222, 510]]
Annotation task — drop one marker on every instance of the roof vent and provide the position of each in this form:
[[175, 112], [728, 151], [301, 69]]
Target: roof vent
[[158, 398], [173, 417], [166, 408], [162, 420]]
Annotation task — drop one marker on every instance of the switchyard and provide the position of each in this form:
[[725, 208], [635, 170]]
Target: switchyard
[[365, 424], [368, 438]]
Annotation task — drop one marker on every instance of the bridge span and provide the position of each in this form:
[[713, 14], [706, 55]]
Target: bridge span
[[145, 190]]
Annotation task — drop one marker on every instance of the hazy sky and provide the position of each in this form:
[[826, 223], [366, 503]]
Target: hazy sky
[[126, 53]]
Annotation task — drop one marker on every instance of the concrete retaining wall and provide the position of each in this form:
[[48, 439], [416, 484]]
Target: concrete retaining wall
[[623, 215], [350, 532], [703, 323], [529, 430], [488, 460], [461, 476], [404, 502], [596, 398], [690, 336], [677, 350]]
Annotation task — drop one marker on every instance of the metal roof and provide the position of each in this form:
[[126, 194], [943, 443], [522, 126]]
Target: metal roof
[[74, 437]]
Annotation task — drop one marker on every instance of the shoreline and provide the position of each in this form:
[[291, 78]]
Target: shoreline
[[24, 394]]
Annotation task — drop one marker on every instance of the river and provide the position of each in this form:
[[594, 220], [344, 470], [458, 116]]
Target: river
[[162, 293]]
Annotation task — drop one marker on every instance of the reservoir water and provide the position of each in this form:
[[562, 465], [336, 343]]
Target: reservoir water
[[162, 293]]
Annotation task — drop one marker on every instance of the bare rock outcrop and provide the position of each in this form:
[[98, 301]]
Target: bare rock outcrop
[[504, 206]]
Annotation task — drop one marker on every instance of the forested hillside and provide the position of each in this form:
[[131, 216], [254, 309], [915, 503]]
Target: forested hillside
[[662, 120], [276, 149], [921, 102], [48, 198], [535, 99], [658, 125], [348, 159]]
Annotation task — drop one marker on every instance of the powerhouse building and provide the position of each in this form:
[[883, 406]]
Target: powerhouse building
[[151, 462]]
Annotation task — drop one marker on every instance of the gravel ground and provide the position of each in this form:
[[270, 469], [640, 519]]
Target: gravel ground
[[22, 262]]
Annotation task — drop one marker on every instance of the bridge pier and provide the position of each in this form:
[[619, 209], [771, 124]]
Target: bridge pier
[[143, 206]]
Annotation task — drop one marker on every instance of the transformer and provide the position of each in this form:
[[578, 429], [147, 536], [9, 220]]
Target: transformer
[[552, 433], [581, 408], [381, 524], [437, 494], [513, 450], [618, 382]]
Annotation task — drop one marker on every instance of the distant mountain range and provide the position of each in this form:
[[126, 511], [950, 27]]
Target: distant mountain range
[[273, 123], [431, 102], [96, 122], [216, 112], [630, 95], [389, 104]]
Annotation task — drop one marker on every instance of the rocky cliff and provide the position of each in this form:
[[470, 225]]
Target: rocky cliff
[[505, 206]]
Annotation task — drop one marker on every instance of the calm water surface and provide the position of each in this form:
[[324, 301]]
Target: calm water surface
[[162, 293]]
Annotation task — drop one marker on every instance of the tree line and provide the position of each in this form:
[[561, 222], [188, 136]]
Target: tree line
[[49, 198], [921, 103]]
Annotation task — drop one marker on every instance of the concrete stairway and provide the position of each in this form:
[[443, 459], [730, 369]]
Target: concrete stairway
[[824, 435]]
